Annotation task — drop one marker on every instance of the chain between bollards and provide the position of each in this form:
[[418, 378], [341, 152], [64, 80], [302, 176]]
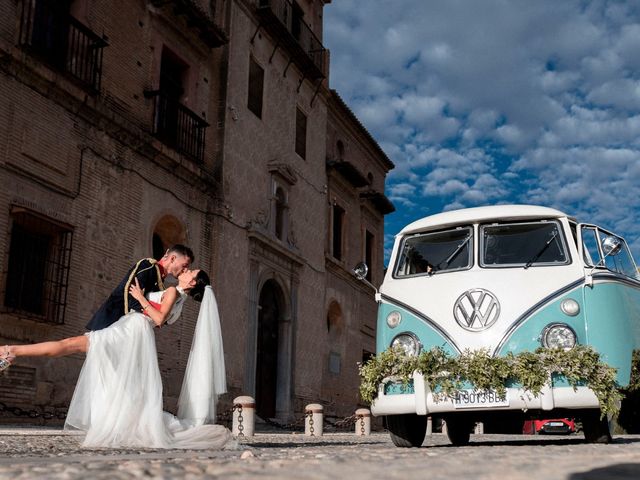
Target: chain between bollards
[[32, 413]]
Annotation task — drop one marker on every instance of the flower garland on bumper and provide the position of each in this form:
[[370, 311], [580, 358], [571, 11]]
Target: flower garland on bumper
[[447, 374]]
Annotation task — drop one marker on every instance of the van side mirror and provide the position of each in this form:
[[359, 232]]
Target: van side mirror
[[361, 270], [611, 246]]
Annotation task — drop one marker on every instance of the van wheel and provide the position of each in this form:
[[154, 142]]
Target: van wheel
[[595, 430], [407, 430], [458, 431]]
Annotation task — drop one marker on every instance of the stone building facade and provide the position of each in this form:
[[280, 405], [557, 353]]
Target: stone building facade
[[128, 126]]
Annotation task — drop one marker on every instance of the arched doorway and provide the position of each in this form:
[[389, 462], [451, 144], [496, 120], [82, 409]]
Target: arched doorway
[[270, 311], [167, 232]]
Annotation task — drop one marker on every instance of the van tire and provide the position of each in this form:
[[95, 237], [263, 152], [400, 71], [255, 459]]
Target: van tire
[[407, 430], [596, 430], [458, 431]]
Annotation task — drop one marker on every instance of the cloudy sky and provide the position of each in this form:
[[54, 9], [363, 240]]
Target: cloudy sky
[[480, 102]]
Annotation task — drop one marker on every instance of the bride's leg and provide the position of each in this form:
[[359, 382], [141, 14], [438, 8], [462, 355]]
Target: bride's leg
[[58, 348]]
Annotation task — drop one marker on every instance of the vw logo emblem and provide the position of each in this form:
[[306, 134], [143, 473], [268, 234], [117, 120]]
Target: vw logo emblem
[[476, 309]]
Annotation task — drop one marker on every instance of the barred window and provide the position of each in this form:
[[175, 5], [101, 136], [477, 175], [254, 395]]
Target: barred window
[[38, 270]]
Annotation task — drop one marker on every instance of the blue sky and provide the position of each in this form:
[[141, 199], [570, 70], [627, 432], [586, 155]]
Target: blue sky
[[482, 102]]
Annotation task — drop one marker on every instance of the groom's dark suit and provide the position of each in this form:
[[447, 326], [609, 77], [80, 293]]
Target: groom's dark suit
[[119, 303]]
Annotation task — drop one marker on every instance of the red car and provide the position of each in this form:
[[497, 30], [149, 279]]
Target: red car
[[562, 426]]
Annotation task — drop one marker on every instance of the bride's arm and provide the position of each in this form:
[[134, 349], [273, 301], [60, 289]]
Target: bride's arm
[[158, 316]]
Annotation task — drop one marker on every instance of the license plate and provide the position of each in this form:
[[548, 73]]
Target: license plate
[[555, 424], [479, 398]]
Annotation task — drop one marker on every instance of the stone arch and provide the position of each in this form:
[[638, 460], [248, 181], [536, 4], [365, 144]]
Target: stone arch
[[167, 231]]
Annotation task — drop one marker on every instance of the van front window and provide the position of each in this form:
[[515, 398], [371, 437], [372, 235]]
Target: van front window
[[428, 253], [522, 245]]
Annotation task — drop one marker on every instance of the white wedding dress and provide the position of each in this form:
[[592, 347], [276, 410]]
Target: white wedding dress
[[118, 397]]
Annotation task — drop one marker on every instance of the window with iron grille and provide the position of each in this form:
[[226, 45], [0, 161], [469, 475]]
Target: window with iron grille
[[48, 31], [256, 87], [301, 133], [175, 124], [38, 270]]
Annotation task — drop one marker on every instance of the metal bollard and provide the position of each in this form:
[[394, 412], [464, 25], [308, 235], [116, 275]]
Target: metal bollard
[[313, 420], [244, 409], [363, 421], [429, 425]]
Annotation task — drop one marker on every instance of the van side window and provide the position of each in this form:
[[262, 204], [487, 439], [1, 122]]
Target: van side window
[[597, 251], [590, 250], [429, 253]]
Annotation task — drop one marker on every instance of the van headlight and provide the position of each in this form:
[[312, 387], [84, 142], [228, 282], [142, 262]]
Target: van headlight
[[559, 335], [408, 342], [393, 319]]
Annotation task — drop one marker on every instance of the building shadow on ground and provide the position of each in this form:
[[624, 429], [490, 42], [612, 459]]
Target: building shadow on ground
[[538, 440], [620, 471]]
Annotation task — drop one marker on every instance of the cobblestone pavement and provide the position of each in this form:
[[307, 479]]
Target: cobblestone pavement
[[29, 453]]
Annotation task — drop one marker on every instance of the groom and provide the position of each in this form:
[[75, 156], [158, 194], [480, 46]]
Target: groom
[[150, 274]]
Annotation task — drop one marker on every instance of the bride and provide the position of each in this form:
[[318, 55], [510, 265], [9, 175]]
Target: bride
[[118, 398]]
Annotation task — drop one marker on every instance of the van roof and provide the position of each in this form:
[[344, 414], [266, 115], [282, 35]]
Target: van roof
[[481, 214]]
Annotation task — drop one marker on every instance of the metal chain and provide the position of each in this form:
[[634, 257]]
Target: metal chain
[[238, 407], [226, 417], [19, 412], [361, 417], [311, 429], [345, 423]]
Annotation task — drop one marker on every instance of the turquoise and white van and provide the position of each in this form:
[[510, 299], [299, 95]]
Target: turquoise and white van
[[507, 278]]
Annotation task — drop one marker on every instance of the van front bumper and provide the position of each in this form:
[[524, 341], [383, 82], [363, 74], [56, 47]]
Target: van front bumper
[[422, 401]]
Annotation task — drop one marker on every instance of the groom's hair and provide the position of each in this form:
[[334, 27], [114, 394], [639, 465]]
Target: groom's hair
[[181, 250]]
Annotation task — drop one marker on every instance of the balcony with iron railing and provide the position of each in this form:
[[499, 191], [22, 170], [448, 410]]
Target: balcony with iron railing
[[178, 127], [307, 52], [53, 35], [197, 19]]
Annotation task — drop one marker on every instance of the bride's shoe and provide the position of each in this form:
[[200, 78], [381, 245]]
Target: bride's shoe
[[5, 358]]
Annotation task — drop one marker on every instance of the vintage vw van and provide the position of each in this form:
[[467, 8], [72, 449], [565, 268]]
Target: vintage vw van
[[507, 278]]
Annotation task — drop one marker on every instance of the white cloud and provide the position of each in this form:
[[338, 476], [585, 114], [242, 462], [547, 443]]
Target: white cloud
[[494, 102]]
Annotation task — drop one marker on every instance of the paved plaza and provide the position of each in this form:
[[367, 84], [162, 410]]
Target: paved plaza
[[27, 453]]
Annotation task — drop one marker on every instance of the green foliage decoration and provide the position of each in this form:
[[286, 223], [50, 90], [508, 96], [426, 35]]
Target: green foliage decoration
[[447, 374]]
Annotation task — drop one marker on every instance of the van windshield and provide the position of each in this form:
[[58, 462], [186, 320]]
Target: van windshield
[[429, 253], [522, 244]]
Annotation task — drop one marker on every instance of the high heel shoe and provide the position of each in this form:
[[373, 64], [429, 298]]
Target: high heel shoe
[[5, 358]]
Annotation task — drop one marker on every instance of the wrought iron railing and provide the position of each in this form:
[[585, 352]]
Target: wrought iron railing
[[299, 31], [178, 127], [48, 31]]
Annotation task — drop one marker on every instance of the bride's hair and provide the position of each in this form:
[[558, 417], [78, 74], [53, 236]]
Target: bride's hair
[[202, 280]]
